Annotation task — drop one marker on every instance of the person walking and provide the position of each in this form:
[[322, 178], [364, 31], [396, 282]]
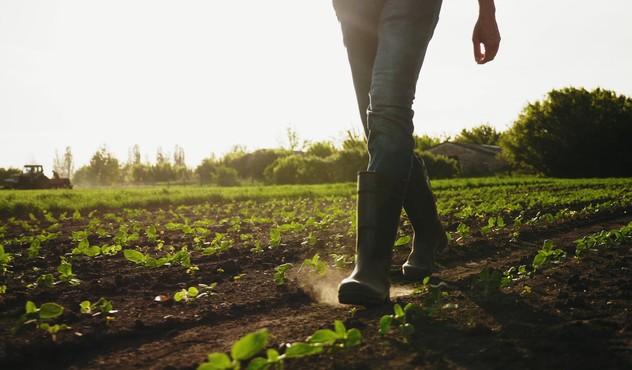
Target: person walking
[[386, 43]]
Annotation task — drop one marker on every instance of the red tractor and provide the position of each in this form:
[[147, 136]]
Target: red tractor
[[32, 177]]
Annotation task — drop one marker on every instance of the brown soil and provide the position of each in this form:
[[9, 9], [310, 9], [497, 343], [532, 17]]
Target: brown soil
[[576, 316]]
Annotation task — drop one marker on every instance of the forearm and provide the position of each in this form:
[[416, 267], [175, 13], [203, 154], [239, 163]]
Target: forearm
[[487, 7]]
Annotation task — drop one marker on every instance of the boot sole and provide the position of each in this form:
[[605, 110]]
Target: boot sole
[[357, 294], [413, 273]]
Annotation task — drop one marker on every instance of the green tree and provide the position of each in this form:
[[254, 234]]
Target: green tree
[[139, 173], [178, 157], [104, 170], [285, 170], [321, 149], [225, 176], [206, 169], [64, 165], [354, 141], [482, 135], [573, 133], [252, 165], [426, 142], [7, 173], [134, 155]]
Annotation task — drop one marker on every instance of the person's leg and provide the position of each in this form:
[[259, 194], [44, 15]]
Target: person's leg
[[359, 20], [388, 126], [392, 91], [405, 29]]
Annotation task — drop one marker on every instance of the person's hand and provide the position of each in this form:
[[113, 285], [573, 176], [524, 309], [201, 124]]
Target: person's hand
[[486, 36]]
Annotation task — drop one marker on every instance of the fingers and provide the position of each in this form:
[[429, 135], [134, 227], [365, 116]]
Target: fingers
[[491, 49], [486, 52], [479, 52]]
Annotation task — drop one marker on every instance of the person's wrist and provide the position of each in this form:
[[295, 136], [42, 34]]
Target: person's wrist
[[487, 7]]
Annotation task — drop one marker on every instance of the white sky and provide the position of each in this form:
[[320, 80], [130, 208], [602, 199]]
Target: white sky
[[208, 75]]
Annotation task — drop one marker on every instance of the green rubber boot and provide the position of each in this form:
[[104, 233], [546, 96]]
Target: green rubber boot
[[379, 208], [430, 236]]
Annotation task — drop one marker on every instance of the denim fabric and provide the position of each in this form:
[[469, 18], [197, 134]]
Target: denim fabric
[[386, 43]]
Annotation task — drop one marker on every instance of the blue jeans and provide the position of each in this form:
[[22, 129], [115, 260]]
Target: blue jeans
[[386, 43]]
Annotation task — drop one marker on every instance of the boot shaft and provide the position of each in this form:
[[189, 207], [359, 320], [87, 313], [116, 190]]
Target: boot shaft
[[379, 207]]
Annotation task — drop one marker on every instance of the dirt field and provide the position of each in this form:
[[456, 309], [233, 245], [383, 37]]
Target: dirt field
[[577, 314]]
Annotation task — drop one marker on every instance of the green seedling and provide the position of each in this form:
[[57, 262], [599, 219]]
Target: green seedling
[[547, 252], [66, 275], [275, 238], [49, 217], [316, 265], [78, 236], [35, 243], [602, 239], [339, 338], [43, 281], [53, 329], [193, 293], [340, 261], [182, 258], [253, 343], [186, 295], [257, 247], [434, 302], [493, 224], [152, 234], [400, 319], [40, 316], [5, 260], [403, 241], [279, 276], [489, 280], [242, 350], [84, 248], [310, 240], [221, 243], [110, 250], [463, 232], [100, 307], [124, 238], [34, 248], [514, 275]]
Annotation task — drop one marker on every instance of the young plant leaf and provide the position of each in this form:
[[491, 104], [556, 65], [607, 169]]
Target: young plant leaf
[[249, 345], [50, 310], [216, 361], [297, 350], [324, 337]]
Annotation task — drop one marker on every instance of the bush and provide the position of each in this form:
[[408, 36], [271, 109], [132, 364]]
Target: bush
[[439, 166], [346, 164], [284, 170], [225, 176]]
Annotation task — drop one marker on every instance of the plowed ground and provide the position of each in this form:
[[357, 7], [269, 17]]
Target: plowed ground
[[576, 316]]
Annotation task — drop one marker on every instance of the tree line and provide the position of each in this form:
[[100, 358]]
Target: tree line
[[572, 132]]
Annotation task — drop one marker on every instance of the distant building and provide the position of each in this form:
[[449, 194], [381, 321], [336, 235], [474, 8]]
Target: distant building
[[473, 159]]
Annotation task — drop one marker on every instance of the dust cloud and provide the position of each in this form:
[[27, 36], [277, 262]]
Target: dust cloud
[[324, 289]]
